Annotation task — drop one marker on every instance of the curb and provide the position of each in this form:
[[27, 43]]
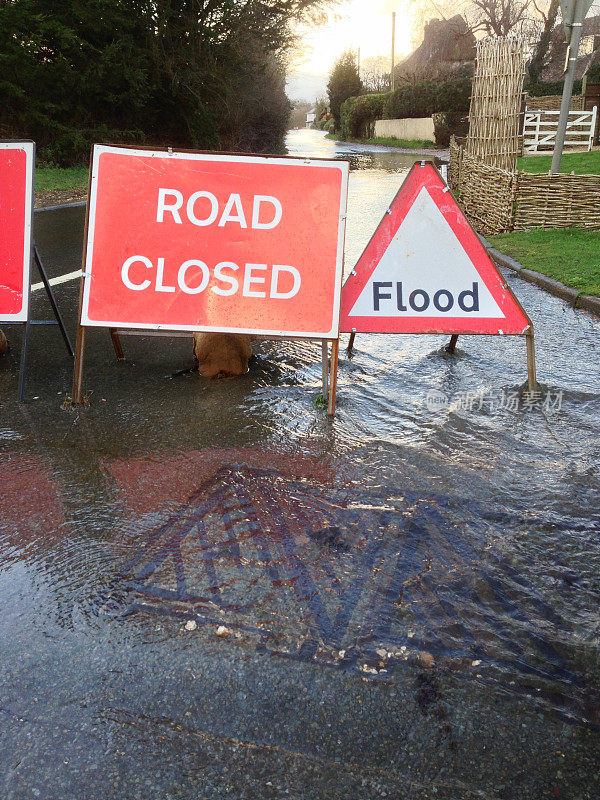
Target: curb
[[587, 302], [72, 204]]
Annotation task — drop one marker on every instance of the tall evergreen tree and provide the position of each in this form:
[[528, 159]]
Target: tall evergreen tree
[[344, 82]]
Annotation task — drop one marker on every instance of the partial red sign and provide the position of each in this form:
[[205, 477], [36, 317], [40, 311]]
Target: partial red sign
[[190, 241], [16, 196], [426, 271]]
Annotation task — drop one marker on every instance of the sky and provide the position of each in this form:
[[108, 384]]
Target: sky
[[351, 24]]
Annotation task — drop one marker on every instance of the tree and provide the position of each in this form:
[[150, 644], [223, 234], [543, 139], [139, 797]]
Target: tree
[[344, 82], [538, 60], [188, 73], [492, 17], [376, 74]]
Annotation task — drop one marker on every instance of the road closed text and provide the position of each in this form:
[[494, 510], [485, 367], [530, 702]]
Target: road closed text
[[193, 276], [199, 241], [226, 278]]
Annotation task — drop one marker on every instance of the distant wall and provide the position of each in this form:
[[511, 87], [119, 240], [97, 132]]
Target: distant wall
[[420, 128]]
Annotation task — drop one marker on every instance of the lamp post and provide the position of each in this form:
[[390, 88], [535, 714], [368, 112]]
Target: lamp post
[[573, 12]]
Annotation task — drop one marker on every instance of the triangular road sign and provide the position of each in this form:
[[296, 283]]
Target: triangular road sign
[[425, 270]]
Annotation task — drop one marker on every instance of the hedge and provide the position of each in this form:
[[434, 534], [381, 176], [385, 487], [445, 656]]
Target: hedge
[[423, 99], [358, 115], [543, 89], [427, 97]]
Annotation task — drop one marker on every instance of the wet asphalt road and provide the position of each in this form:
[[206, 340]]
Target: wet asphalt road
[[210, 590]]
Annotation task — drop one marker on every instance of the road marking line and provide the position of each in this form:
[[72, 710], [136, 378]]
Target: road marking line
[[69, 276]]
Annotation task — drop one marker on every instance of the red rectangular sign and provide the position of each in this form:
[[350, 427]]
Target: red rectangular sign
[[16, 204], [191, 241]]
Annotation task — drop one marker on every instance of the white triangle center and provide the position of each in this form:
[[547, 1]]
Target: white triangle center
[[425, 272]]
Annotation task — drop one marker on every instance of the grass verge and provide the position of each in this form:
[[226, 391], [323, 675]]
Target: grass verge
[[57, 179], [390, 141], [569, 255], [579, 163]]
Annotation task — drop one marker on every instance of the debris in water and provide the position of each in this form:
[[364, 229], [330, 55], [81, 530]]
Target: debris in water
[[223, 631], [425, 659], [191, 625]]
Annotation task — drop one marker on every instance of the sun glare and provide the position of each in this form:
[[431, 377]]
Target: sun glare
[[354, 24]]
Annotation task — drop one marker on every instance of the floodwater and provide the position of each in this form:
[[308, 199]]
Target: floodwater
[[208, 589]]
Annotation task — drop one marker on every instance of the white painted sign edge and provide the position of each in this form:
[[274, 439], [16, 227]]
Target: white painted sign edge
[[29, 148], [344, 168]]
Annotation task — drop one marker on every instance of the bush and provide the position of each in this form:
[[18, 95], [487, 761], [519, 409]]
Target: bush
[[428, 97], [447, 124], [423, 99], [593, 73], [358, 115], [543, 89]]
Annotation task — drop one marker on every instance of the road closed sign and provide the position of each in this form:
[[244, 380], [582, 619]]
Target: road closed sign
[[426, 271], [16, 204], [190, 241]]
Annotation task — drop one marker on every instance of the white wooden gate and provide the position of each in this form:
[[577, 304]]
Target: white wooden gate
[[539, 129]]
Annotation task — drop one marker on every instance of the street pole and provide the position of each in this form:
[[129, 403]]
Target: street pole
[[579, 11], [392, 80]]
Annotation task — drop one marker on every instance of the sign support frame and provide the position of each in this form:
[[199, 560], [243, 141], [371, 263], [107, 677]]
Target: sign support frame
[[329, 367], [34, 257], [58, 320]]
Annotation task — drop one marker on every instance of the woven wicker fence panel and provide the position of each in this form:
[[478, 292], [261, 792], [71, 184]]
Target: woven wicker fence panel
[[456, 154], [494, 116], [557, 201], [487, 196], [551, 102]]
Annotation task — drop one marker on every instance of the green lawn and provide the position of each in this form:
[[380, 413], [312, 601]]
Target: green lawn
[[56, 179], [579, 163], [570, 255], [391, 141]]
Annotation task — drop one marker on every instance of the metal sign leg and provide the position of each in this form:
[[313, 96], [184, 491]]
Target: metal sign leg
[[351, 342], [78, 368], [451, 346], [50, 294], [325, 367], [531, 376], [23, 363], [335, 352], [116, 340]]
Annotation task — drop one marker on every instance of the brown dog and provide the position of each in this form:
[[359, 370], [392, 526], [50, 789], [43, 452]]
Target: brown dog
[[3, 344], [220, 354]]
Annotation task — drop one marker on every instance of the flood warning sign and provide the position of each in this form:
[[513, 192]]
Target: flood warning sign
[[425, 270]]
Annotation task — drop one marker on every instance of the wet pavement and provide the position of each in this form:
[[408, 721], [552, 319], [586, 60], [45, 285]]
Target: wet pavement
[[211, 590]]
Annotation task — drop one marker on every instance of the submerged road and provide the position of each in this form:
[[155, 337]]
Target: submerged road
[[210, 590]]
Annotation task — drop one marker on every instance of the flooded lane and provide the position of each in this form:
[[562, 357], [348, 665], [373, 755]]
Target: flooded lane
[[209, 589]]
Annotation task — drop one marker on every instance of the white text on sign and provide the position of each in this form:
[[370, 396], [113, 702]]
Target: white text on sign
[[193, 276], [202, 209]]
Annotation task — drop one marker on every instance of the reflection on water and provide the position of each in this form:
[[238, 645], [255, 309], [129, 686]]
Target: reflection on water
[[403, 600]]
